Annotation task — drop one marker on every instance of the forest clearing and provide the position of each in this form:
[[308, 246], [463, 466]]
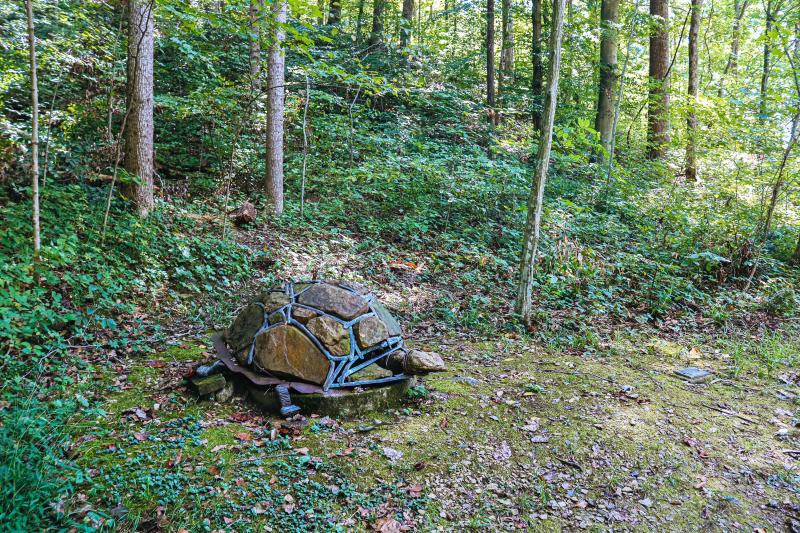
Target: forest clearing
[[556, 207]]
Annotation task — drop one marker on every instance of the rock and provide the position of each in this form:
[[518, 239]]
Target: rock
[[287, 351], [392, 325], [273, 300], [245, 214], [370, 372], [240, 334], [334, 300], [416, 362], [208, 384], [303, 315], [370, 331], [331, 333], [225, 393], [276, 318]]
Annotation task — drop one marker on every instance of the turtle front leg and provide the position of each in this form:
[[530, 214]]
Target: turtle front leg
[[287, 407]]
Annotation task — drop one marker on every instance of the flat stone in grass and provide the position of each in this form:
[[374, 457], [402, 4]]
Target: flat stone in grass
[[337, 402], [693, 374]]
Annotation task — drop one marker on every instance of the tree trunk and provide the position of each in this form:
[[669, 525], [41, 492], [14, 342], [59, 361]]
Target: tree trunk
[[490, 96], [139, 126], [691, 117], [335, 12], [533, 224], [604, 121], [255, 44], [407, 24], [658, 103], [275, 96], [507, 49], [732, 66], [359, 20], [536, 60], [762, 106], [34, 131], [376, 35]]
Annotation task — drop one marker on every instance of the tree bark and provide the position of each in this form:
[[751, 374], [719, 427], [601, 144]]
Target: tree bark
[[407, 24], [275, 97], [535, 201], [604, 121], [732, 66], [658, 102], [765, 70], [335, 12], [507, 47], [376, 35], [490, 95], [34, 132], [536, 60], [139, 126], [359, 20], [691, 117], [255, 44]]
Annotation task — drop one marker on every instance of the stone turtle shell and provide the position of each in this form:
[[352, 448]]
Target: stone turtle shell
[[318, 331]]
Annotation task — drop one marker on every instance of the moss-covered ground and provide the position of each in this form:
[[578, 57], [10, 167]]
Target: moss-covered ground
[[513, 436]]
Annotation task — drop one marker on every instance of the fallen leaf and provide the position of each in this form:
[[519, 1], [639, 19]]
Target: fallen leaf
[[244, 436]]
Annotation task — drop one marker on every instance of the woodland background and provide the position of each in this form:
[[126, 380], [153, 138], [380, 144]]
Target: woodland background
[[410, 137]]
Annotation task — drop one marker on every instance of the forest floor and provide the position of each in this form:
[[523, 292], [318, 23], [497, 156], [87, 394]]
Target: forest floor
[[513, 436]]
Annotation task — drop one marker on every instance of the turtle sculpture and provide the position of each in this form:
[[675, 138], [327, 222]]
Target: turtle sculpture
[[324, 333]]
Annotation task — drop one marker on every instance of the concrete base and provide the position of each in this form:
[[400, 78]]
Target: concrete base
[[342, 403]]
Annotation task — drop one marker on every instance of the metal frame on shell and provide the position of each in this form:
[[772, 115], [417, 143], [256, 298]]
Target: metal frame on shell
[[342, 366]]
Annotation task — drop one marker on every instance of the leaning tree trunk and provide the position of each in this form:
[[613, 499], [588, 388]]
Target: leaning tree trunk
[[604, 121], [691, 117], [507, 46], [275, 97], [255, 44], [533, 224], [139, 124], [34, 131], [335, 12], [536, 59], [490, 95], [376, 35], [407, 23], [658, 103]]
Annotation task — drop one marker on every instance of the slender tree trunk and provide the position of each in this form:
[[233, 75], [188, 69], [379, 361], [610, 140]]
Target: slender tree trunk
[[275, 95], [255, 44], [732, 66], [507, 47], [762, 106], [359, 20], [691, 118], [536, 58], [34, 132], [533, 224], [407, 24], [658, 103], [139, 126], [604, 121], [376, 35], [335, 12], [490, 94]]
